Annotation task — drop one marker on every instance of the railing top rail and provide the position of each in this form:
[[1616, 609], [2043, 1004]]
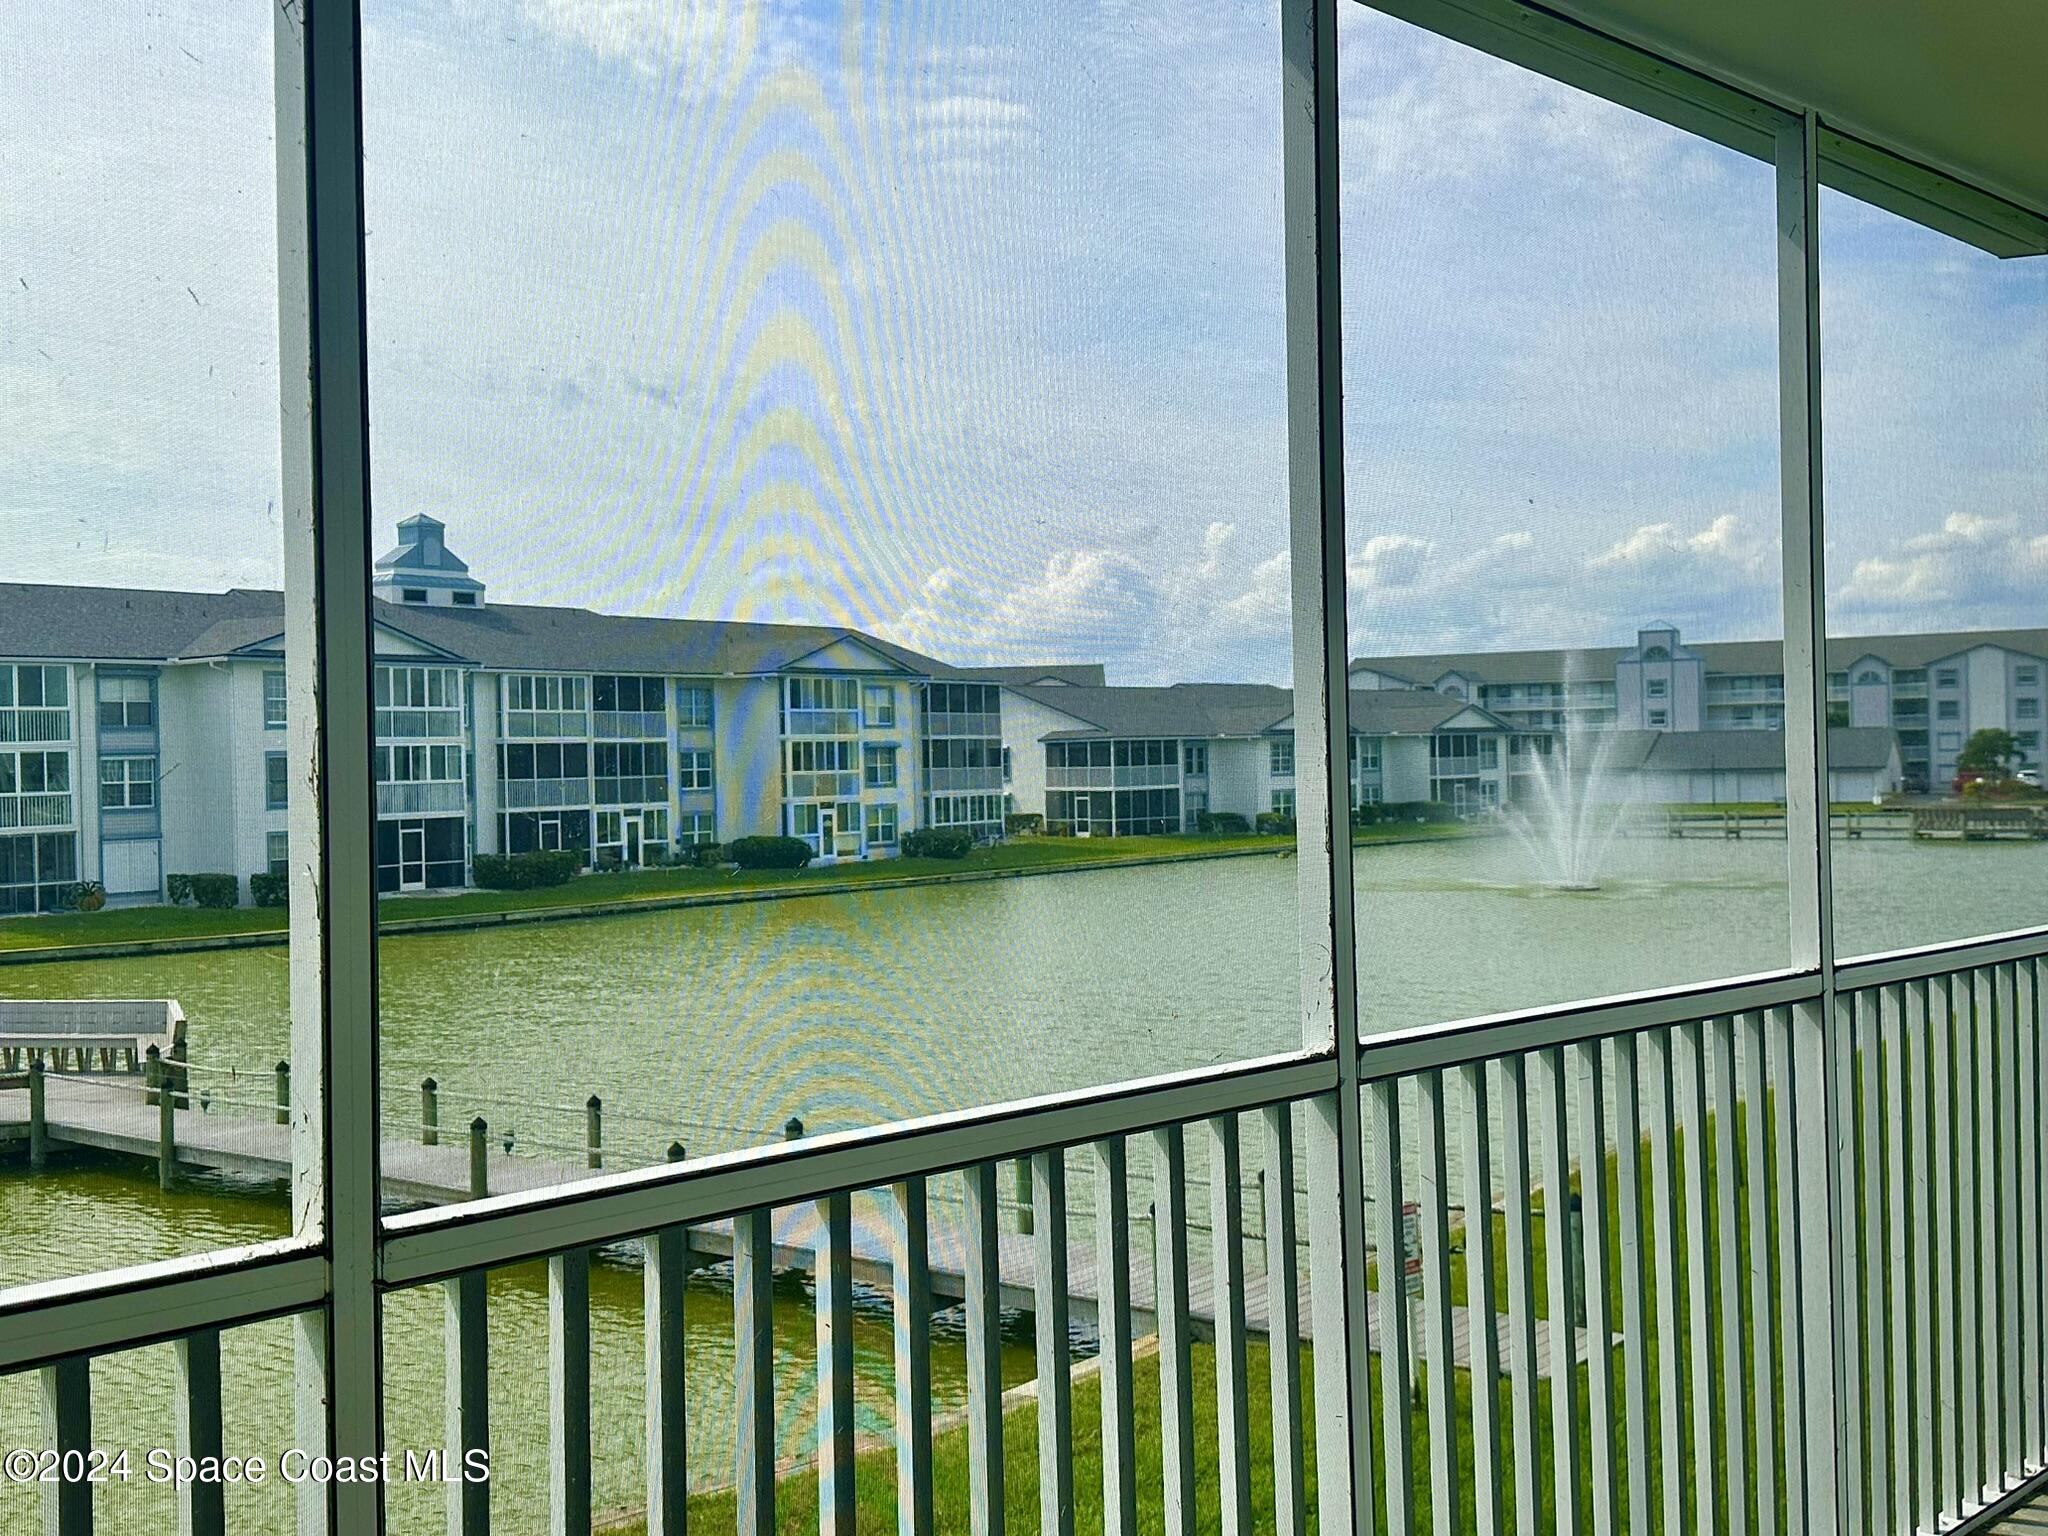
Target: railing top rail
[[1928, 960], [433, 1244]]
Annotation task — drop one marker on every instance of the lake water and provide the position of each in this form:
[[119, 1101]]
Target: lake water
[[714, 1025]]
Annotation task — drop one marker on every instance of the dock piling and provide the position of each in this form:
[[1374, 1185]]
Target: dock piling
[[792, 1129], [166, 1135], [38, 1125], [479, 1158], [284, 1093], [152, 1075], [593, 1132], [430, 1112]]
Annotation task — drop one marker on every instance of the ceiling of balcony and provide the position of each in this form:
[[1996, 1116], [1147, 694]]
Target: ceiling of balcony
[[1957, 87]]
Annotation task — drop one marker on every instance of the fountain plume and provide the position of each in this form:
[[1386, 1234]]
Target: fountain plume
[[1571, 808]]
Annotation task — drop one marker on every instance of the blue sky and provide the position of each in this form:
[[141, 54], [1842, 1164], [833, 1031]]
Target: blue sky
[[964, 325]]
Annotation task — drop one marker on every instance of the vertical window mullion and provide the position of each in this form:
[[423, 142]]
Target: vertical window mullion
[[1332, 1147], [329, 675]]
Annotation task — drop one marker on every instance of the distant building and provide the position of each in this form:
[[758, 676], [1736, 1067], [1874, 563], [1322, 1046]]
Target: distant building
[[1932, 689], [142, 733]]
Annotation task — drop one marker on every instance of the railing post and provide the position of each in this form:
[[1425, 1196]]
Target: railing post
[[1020, 1188], [152, 1074], [178, 1076], [284, 1093], [166, 1136], [593, 1132], [38, 1125], [479, 1158], [430, 1112]]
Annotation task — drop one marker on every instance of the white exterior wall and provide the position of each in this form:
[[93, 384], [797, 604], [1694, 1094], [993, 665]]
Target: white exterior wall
[[907, 796], [1404, 768], [747, 726], [197, 747], [484, 798], [1238, 777], [1026, 724], [1987, 675], [1870, 703]]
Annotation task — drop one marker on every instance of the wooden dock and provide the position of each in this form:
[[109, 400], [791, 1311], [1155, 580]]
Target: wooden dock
[[113, 1115]]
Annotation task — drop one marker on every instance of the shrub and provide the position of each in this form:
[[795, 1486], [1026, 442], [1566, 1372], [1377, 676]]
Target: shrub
[[937, 843], [1221, 821], [86, 896], [710, 855], [1024, 821], [1059, 829], [1275, 822], [268, 890], [609, 863], [214, 890], [768, 852], [1417, 810], [525, 871], [179, 889]]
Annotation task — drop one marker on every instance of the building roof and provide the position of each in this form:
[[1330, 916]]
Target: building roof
[[1239, 709], [1596, 663], [1079, 674], [118, 624], [1849, 747]]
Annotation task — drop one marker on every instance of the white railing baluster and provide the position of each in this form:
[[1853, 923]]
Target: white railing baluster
[[67, 1432], [1781, 1072], [984, 1286], [1662, 1078], [838, 1505], [465, 1337], [197, 1431], [1170, 1305], [1991, 1231], [1113, 1320], [1434, 1222], [911, 1307], [1873, 1136], [1596, 1302], [2018, 1442], [1849, 1238], [1942, 1256], [664, 1283], [1923, 1249], [1055, 1364], [1728, 1270], [569, 1393], [1704, 1376], [1756, 1170], [2029, 1068], [1521, 1263], [1283, 1311], [1233, 1399], [1904, 1313], [1481, 1304], [1555, 1154], [1383, 1161], [753, 1372], [1956, 992]]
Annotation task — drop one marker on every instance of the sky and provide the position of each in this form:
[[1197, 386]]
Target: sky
[[962, 323]]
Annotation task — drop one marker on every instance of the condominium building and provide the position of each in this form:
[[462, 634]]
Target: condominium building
[[142, 734], [1932, 689]]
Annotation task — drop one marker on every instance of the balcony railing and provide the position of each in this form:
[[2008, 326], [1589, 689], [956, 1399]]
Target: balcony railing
[[428, 799], [22, 723], [537, 794], [42, 810], [821, 722], [549, 723], [419, 724], [650, 789], [978, 780], [824, 786], [629, 724], [948, 724]]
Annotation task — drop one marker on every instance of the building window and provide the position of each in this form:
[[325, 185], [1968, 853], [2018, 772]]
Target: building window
[[693, 706], [418, 701], [2026, 709], [1948, 709], [1658, 687], [881, 825], [693, 770], [2026, 677], [276, 782], [415, 764], [277, 850], [1947, 677], [127, 783], [2029, 742], [879, 768], [1195, 758], [35, 773], [1949, 741], [413, 594], [1280, 755], [273, 700], [1283, 802], [125, 704], [1659, 719], [463, 599], [1870, 677], [695, 827], [878, 707], [1006, 765]]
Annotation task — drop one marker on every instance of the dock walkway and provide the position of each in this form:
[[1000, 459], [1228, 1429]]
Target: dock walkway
[[110, 1115]]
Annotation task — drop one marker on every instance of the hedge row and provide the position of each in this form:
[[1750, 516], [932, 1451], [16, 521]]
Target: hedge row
[[204, 890], [525, 871], [938, 843], [768, 852]]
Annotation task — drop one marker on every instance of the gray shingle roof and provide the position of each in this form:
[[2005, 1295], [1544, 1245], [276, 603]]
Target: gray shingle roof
[[1853, 748], [118, 624], [1080, 674], [1596, 663], [1237, 709]]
